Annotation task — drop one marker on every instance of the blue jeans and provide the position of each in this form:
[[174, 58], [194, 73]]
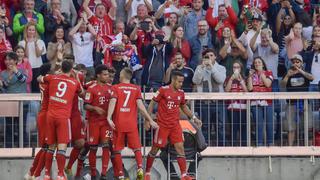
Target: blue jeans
[[239, 125], [263, 115]]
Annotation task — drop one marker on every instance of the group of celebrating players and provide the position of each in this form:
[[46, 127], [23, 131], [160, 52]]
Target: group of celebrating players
[[111, 114]]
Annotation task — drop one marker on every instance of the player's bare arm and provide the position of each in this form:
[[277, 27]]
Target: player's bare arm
[[112, 105], [97, 109], [190, 115], [40, 79], [146, 115]]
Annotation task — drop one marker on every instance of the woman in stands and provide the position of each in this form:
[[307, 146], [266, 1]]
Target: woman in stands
[[24, 65], [179, 43]]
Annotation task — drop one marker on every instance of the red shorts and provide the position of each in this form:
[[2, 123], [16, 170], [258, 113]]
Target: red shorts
[[162, 134], [98, 132], [77, 127], [58, 130], [133, 140], [42, 123]]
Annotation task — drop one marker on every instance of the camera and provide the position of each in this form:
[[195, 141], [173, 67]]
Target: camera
[[160, 38], [145, 26]]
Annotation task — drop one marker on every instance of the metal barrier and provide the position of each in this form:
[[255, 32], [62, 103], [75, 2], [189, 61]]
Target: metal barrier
[[224, 125]]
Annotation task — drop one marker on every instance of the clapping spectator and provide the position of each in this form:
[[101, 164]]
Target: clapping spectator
[[68, 9], [5, 47], [55, 18], [58, 47], [34, 48], [133, 7], [260, 80], [4, 21], [192, 19], [173, 20], [29, 15], [294, 41], [180, 44], [24, 65]]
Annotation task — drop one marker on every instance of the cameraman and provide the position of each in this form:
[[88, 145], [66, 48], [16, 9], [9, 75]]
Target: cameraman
[[157, 56]]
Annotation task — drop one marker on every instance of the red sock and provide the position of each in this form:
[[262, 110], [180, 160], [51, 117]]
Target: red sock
[[118, 165], [40, 165], [82, 156], [61, 161], [73, 157], [35, 162], [48, 164], [79, 167], [182, 164], [105, 160], [92, 160], [138, 157], [113, 162], [150, 160]]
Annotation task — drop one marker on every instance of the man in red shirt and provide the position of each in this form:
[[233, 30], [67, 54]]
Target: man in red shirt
[[39, 160], [122, 117], [96, 103], [62, 89], [170, 99]]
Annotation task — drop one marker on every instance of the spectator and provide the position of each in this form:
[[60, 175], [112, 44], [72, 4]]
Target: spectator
[[40, 6], [157, 62], [54, 19], [34, 48], [5, 46], [296, 80], [142, 13], [68, 9], [237, 108], [119, 27], [58, 47], [133, 7], [260, 80], [180, 44], [24, 65], [173, 20], [192, 19], [209, 76], [165, 11], [316, 33], [4, 21], [199, 43], [294, 41], [226, 38], [237, 53], [179, 64], [268, 50], [28, 15], [82, 44], [226, 17]]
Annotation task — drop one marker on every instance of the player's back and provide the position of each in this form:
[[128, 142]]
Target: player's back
[[126, 110], [44, 91], [78, 76], [62, 90]]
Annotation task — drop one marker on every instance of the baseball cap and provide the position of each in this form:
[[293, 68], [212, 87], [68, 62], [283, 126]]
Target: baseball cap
[[297, 57], [257, 17]]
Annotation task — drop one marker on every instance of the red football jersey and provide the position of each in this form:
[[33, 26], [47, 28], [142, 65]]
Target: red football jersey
[[169, 102], [126, 111], [44, 91], [103, 27], [80, 78], [62, 90], [98, 95]]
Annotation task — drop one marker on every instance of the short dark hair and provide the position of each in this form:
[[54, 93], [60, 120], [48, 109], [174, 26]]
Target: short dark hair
[[111, 70], [80, 67], [263, 62], [100, 68], [128, 73], [66, 66], [12, 55], [221, 5], [208, 50], [19, 47], [45, 69], [175, 74]]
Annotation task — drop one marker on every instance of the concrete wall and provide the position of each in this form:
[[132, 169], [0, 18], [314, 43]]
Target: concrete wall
[[282, 168]]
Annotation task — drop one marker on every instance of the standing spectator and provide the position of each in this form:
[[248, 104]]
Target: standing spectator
[[237, 53], [41, 6], [294, 41], [237, 108], [34, 48], [5, 22], [58, 47], [133, 7], [199, 43], [119, 27], [142, 13], [164, 12], [260, 80], [5, 46], [209, 76], [28, 15], [157, 56], [226, 17], [24, 65], [67, 8], [173, 20], [296, 80], [55, 18], [191, 20], [82, 44], [180, 44], [178, 64]]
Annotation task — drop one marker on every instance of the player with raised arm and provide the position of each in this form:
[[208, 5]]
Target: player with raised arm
[[122, 117], [62, 89], [170, 100], [96, 103]]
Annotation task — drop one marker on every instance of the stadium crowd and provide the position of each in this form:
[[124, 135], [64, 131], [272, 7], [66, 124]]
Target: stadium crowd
[[219, 46]]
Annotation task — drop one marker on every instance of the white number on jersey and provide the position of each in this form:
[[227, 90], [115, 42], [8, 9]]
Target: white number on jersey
[[62, 88], [128, 94]]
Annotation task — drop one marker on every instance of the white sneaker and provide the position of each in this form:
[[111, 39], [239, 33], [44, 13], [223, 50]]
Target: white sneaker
[[27, 177]]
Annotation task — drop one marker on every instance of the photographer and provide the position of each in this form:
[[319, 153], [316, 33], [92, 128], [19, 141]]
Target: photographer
[[157, 56]]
